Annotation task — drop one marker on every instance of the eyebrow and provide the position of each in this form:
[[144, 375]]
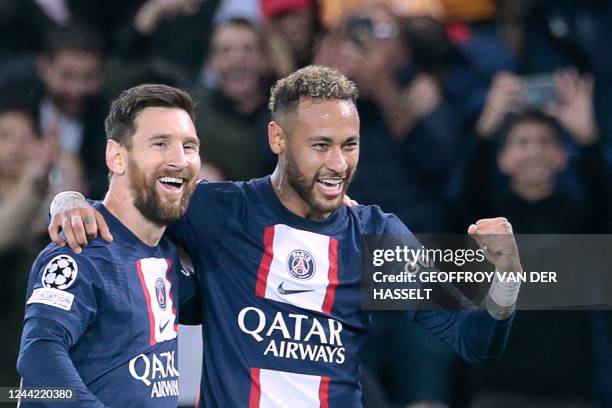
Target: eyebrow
[[328, 139], [194, 140], [160, 136], [166, 136], [320, 139]]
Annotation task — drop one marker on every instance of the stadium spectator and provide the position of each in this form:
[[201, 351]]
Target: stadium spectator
[[296, 24], [232, 119], [529, 150], [533, 157], [31, 167], [25, 163], [67, 92]]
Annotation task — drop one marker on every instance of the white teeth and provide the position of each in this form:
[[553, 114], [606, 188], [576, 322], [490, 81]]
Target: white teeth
[[171, 180], [333, 182]]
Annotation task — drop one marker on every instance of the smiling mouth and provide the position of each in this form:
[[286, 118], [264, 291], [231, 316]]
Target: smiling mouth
[[330, 186], [173, 184]]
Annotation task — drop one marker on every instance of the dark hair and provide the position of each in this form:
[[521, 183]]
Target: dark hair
[[242, 23], [13, 99], [531, 116], [426, 39], [313, 81], [120, 122], [73, 37]]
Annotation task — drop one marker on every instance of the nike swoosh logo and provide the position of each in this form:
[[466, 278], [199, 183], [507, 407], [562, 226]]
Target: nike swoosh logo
[[284, 291], [163, 326]]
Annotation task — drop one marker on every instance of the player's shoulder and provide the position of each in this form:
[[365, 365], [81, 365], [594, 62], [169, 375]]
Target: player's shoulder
[[59, 267], [373, 220], [220, 190], [93, 257], [232, 187], [225, 193]]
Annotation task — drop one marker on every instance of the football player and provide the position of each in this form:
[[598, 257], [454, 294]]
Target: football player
[[103, 322]]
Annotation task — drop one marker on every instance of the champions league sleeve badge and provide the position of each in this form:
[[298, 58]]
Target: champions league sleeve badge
[[60, 273]]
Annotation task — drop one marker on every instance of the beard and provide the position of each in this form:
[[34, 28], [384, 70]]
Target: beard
[[148, 201], [305, 188]]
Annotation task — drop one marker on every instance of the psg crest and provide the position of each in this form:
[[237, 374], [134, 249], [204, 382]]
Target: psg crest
[[300, 264], [160, 292], [60, 273]]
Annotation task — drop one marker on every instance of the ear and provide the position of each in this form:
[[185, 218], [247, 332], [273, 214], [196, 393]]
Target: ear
[[42, 64], [276, 137], [504, 162], [116, 157]]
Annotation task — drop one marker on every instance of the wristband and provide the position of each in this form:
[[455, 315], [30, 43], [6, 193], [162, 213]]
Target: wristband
[[504, 293], [64, 200]]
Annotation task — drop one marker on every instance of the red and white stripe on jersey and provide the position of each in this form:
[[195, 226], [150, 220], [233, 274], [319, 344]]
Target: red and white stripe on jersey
[[274, 281], [160, 303], [279, 389]]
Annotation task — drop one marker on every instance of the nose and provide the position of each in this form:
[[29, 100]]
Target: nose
[[535, 149], [176, 157], [336, 161]]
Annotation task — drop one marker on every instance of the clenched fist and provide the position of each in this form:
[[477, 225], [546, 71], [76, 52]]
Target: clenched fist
[[495, 237]]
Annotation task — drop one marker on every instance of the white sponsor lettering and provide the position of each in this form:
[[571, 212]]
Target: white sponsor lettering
[[262, 322], [295, 329], [160, 367], [301, 351], [52, 297], [168, 388], [278, 324]]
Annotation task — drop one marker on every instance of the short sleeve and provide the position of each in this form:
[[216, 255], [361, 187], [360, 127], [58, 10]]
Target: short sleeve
[[394, 226], [62, 288]]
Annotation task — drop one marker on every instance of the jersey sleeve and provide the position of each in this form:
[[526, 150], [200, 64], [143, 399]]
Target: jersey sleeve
[[472, 333], [62, 288], [44, 337], [394, 226]]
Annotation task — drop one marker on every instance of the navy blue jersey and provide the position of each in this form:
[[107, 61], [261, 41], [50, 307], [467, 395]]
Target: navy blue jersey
[[282, 318], [118, 303]]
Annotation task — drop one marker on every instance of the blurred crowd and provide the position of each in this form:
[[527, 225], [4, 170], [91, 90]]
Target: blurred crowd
[[469, 109]]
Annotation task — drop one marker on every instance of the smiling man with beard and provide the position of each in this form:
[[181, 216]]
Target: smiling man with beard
[[279, 263], [232, 116], [103, 322]]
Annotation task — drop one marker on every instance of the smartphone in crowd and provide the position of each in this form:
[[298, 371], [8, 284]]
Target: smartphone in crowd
[[539, 90]]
